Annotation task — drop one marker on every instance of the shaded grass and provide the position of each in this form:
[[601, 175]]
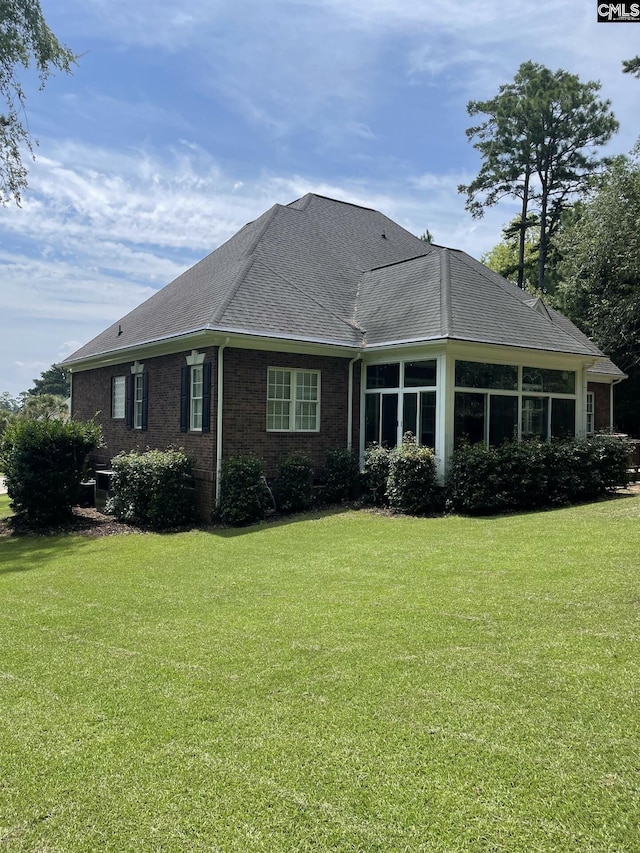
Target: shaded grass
[[347, 682]]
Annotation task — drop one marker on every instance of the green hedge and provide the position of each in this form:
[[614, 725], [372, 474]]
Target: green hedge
[[293, 489], [533, 474], [43, 462], [341, 476], [376, 472], [154, 489]]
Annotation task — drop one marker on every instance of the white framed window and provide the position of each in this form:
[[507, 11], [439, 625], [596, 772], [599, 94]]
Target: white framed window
[[591, 407], [293, 400], [196, 398], [138, 400], [118, 396]]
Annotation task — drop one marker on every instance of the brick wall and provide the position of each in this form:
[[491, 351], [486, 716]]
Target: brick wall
[[601, 402], [244, 421]]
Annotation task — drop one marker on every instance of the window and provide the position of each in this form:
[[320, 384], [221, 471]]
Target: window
[[475, 374], [591, 425], [293, 400], [118, 396], [138, 397], [400, 397], [195, 414], [195, 394], [547, 407]]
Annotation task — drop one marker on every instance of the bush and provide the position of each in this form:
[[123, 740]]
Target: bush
[[342, 476], [376, 472], [154, 489], [43, 462], [533, 474], [244, 496], [293, 490], [411, 485]]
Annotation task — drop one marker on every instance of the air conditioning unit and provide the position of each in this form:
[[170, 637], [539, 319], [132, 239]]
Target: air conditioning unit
[[103, 489]]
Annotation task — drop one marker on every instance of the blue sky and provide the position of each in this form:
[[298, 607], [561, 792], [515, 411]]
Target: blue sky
[[183, 122]]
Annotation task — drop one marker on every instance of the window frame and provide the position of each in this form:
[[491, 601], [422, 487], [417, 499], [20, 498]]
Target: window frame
[[293, 402]]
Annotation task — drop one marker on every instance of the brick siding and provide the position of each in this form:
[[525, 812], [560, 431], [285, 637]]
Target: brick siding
[[601, 405], [244, 420]]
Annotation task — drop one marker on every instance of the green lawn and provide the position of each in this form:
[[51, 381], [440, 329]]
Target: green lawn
[[345, 682]]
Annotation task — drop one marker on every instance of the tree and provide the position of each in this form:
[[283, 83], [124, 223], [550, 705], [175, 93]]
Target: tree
[[427, 237], [537, 145], [45, 407], [52, 381], [601, 273], [601, 266], [8, 403], [505, 257], [25, 40], [631, 66]]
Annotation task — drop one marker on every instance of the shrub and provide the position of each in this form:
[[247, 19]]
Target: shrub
[[342, 476], [293, 490], [411, 485], [154, 489], [376, 472], [43, 462], [532, 474], [244, 497]]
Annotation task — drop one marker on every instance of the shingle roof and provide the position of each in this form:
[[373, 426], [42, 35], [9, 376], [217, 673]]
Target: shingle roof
[[325, 270]]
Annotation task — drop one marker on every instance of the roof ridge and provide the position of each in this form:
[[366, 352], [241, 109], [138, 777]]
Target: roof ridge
[[400, 261], [446, 316], [235, 286], [268, 219]]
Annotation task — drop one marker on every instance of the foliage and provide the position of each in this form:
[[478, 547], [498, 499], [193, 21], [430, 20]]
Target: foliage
[[243, 491], [411, 485], [426, 236], [8, 403], [376, 472], [25, 41], [537, 145], [154, 489], [601, 267], [531, 474], [45, 407], [631, 66], [342, 476], [54, 380], [293, 489], [42, 462]]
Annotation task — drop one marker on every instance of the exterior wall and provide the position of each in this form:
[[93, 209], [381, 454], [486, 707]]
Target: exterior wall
[[601, 405], [92, 394], [244, 418], [245, 407]]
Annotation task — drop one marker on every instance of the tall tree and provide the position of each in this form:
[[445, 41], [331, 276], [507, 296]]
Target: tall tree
[[25, 41], [537, 144], [52, 381]]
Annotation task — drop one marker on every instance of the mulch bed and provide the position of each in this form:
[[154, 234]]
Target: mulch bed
[[85, 521]]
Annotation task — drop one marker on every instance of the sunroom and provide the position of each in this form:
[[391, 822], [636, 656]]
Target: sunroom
[[473, 394]]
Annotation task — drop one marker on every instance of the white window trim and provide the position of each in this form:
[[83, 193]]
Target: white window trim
[[292, 400], [591, 413], [138, 398]]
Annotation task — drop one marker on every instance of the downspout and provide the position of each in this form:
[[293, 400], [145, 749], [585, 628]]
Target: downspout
[[220, 372], [350, 403]]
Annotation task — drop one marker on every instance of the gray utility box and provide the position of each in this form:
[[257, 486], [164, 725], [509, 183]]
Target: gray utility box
[[104, 490]]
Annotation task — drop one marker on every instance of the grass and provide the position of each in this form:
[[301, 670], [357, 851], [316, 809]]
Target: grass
[[341, 682]]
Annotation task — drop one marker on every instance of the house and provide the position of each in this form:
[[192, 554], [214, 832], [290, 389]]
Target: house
[[323, 324]]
